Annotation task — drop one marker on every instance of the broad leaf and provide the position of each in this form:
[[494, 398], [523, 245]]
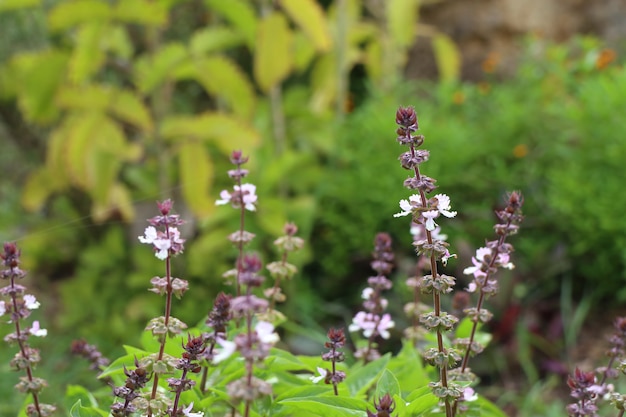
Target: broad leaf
[[153, 70], [196, 176], [68, 14], [359, 380], [387, 384], [447, 56], [402, 20], [78, 410], [75, 393], [309, 16], [6, 5], [212, 39], [225, 131], [272, 56], [330, 406], [240, 14], [145, 12], [88, 54], [222, 78]]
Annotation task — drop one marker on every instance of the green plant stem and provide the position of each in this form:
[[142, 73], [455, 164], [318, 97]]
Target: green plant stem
[[436, 295], [249, 361]]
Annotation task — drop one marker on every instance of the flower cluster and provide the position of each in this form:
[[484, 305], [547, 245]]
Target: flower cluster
[[337, 340], [585, 388], [130, 391], [189, 363], [166, 240], [282, 269], [18, 306], [373, 322], [384, 407]]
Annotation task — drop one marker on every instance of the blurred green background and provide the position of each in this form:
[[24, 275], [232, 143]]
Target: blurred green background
[[108, 106]]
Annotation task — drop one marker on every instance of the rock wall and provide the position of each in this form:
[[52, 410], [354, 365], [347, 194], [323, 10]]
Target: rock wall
[[495, 28]]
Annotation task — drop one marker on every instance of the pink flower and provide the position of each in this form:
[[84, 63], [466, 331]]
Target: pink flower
[[38, 331], [371, 323], [478, 262], [31, 302]]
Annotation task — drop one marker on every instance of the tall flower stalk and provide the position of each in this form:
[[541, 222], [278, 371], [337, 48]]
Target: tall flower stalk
[[164, 236], [424, 211], [18, 306]]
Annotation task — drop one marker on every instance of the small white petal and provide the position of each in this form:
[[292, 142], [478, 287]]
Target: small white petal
[[149, 235], [228, 348]]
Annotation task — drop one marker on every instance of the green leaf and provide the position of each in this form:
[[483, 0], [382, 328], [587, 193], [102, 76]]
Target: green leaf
[[212, 39], [309, 16], [359, 380], [240, 14], [153, 70], [421, 401], [447, 56], [402, 20], [387, 384], [88, 53], [128, 360], [78, 410], [76, 393], [225, 131], [196, 174], [143, 12], [282, 360], [327, 406], [222, 78], [487, 408], [408, 369], [6, 5], [305, 392], [272, 56], [37, 189], [71, 13], [37, 88], [303, 51]]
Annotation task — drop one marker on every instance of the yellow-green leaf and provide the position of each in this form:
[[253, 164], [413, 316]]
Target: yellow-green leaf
[[222, 78], [196, 176], [225, 131], [88, 97], [402, 16], [447, 56], [128, 107], [304, 52], [240, 14], [273, 56], [6, 5], [143, 12], [70, 13], [324, 83], [36, 88], [118, 42], [119, 201], [213, 39], [88, 54], [152, 70], [309, 15], [373, 60], [37, 189]]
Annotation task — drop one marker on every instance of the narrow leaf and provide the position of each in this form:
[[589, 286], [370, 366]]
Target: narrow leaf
[[196, 175], [273, 57], [144, 12], [309, 16], [447, 56], [212, 39]]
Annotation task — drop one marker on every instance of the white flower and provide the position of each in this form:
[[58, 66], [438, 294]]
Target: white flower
[[478, 262], [471, 287], [443, 205], [38, 331], [367, 293], [3, 308], [430, 217], [248, 196], [266, 333], [408, 205], [187, 412], [228, 348], [322, 375], [31, 302], [161, 242], [385, 324], [446, 256]]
